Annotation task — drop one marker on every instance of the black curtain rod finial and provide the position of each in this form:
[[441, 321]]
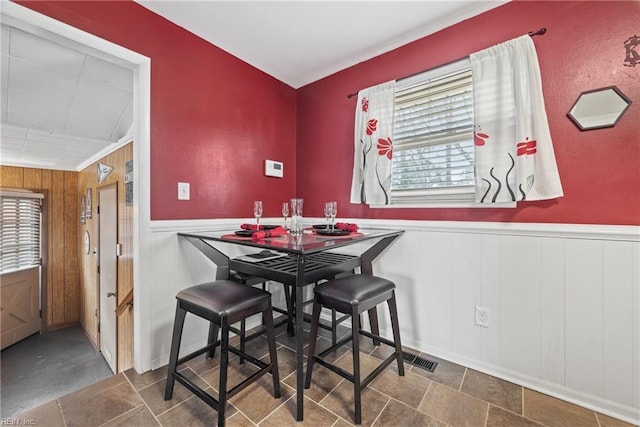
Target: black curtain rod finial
[[540, 32]]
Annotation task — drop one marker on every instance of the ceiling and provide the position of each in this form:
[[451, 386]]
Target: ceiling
[[299, 42], [62, 105]]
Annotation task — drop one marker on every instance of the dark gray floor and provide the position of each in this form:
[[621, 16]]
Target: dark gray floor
[[44, 367]]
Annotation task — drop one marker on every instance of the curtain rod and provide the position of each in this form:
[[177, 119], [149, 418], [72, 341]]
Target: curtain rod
[[540, 32]]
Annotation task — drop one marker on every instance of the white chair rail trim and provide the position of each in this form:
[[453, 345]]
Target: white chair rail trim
[[567, 231]]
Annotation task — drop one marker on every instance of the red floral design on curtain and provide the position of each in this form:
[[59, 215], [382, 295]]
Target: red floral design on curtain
[[371, 180], [514, 158]]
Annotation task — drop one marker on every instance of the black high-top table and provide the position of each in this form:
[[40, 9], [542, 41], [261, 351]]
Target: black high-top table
[[308, 258]]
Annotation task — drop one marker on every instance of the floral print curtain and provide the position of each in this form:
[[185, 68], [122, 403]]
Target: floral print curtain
[[514, 158], [373, 145]]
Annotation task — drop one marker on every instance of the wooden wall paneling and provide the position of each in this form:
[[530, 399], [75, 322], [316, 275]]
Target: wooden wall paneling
[[11, 177], [32, 178], [71, 273], [56, 244], [88, 264], [60, 256], [47, 185]]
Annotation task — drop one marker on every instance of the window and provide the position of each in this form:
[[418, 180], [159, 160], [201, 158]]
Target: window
[[19, 230], [433, 160]]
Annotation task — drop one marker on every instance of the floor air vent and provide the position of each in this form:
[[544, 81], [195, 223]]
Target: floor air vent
[[428, 365]]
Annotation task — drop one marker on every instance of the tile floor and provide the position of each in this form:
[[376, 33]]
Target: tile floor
[[451, 396]]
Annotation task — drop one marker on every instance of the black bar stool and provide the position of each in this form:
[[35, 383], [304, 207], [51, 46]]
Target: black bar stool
[[222, 302], [354, 295], [250, 280]]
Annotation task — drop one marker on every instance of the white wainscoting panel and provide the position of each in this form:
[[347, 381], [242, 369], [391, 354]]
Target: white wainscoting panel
[[563, 301]]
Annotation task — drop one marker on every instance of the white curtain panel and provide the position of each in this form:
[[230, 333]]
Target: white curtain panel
[[514, 158], [373, 145]]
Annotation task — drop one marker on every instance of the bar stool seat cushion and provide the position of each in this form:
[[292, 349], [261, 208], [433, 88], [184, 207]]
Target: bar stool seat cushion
[[359, 290], [224, 298]]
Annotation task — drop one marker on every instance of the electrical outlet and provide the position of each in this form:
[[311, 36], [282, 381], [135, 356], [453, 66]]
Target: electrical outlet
[[482, 316]]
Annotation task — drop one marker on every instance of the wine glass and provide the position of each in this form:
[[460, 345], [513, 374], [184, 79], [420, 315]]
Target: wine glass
[[257, 212], [285, 212], [333, 211], [327, 213]]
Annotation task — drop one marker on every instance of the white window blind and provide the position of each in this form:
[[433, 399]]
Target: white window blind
[[433, 137], [19, 230]]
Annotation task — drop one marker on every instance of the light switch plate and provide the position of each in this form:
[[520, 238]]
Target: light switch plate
[[273, 168], [184, 191]]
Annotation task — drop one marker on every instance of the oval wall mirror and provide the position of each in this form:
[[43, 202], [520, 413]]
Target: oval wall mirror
[[599, 108]]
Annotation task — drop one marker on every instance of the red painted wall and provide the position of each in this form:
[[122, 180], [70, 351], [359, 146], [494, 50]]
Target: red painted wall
[[214, 118], [582, 50]]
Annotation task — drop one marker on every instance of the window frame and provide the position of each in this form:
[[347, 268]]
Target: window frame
[[453, 196], [21, 261]]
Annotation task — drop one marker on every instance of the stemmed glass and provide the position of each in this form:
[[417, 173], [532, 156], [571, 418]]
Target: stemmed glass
[[257, 212], [285, 212], [332, 209], [327, 213]]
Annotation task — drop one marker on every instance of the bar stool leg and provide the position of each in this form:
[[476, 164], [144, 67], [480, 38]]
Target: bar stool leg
[[224, 361], [373, 322], [313, 335], [243, 339], [289, 302], [213, 337], [271, 338], [178, 323], [357, 386], [393, 310]]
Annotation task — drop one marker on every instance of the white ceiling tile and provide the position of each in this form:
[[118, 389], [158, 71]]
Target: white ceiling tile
[[124, 123], [11, 143], [26, 75], [35, 109], [92, 118], [5, 40], [13, 131], [57, 59], [109, 74]]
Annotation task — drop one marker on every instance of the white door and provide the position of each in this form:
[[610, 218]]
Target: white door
[[108, 271]]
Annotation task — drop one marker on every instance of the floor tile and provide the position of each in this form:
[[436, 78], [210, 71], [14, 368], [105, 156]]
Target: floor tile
[[499, 417], [138, 417], [257, 400], [323, 382], [606, 421], [48, 414], [555, 412], [409, 389], [153, 395], [193, 412], [447, 373], [314, 415], [494, 390], [399, 414], [341, 402], [238, 420], [140, 381], [236, 373], [454, 407], [96, 408], [202, 363]]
